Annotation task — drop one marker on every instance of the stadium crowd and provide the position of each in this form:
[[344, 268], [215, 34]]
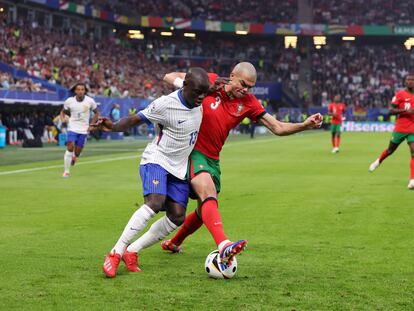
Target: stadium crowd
[[114, 67], [231, 11], [369, 80], [7, 82], [358, 12], [339, 12]]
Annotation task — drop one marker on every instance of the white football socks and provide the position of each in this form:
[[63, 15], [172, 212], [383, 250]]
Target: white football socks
[[134, 226], [159, 230], [66, 160]]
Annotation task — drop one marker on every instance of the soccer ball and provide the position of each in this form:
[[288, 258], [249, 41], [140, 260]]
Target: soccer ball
[[216, 270]]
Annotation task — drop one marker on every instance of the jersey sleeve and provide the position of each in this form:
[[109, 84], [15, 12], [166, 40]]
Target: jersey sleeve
[[212, 77], [66, 104], [155, 112], [93, 104], [395, 101], [257, 110]]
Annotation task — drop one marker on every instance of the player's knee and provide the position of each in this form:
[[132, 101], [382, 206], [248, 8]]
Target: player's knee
[[178, 220], [206, 192], [156, 204], [177, 217], [391, 150]]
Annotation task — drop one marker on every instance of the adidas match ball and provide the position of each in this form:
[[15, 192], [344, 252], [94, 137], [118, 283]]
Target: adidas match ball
[[216, 270]]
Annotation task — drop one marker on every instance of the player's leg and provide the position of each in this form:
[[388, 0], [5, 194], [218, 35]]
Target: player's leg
[[204, 186], [410, 140], [154, 181], [336, 131], [333, 137], [176, 204], [158, 230], [396, 140], [67, 158], [191, 224], [80, 143], [338, 139], [198, 164]]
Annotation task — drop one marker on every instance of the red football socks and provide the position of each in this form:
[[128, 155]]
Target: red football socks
[[384, 155], [191, 224], [333, 140], [211, 218], [412, 168], [338, 141]]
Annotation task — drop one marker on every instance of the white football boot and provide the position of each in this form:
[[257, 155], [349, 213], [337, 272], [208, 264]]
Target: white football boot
[[374, 165]]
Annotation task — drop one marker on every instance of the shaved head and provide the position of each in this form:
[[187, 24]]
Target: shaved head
[[246, 69], [242, 80]]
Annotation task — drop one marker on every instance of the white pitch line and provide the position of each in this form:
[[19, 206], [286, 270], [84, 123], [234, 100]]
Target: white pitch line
[[27, 170], [236, 143]]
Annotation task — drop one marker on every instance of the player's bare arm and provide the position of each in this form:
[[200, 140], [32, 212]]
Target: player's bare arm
[[122, 125], [64, 112], [94, 119], [396, 111], [177, 78], [283, 129]]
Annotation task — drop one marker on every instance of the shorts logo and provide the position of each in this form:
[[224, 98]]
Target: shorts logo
[[201, 166], [155, 182]]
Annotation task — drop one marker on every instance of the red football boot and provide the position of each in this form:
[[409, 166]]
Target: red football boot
[[131, 261], [169, 246], [111, 264]]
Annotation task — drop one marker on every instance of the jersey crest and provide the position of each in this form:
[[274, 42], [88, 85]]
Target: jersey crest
[[240, 107]]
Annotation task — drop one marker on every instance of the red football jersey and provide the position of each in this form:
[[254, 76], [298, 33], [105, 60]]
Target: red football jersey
[[220, 115], [337, 109], [405, 121]]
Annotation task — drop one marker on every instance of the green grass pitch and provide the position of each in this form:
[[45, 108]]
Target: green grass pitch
[[323, 233]]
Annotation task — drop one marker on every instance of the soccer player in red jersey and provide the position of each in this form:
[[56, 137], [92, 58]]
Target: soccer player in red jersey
[[223, 110], [402, 105], [336, 110]]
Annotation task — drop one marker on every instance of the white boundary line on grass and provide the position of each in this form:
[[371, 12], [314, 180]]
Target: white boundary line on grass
[[34, 169], [27, 170]]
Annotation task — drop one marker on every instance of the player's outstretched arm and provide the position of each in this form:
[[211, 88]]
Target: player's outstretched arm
[[283, 129], [94, 120], [175, 78], [395, 111], [122, 125]]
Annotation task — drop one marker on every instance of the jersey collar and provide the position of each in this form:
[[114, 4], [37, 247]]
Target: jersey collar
[[183, 101]]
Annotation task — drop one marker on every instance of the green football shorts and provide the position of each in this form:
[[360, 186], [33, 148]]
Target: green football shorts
[[336, 128], [199, 162], [398, 138]]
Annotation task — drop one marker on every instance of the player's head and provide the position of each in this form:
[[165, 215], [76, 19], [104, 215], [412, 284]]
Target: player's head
[[337, 98], [409, 81], [196, 86], [242, 79], [80, 90]]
